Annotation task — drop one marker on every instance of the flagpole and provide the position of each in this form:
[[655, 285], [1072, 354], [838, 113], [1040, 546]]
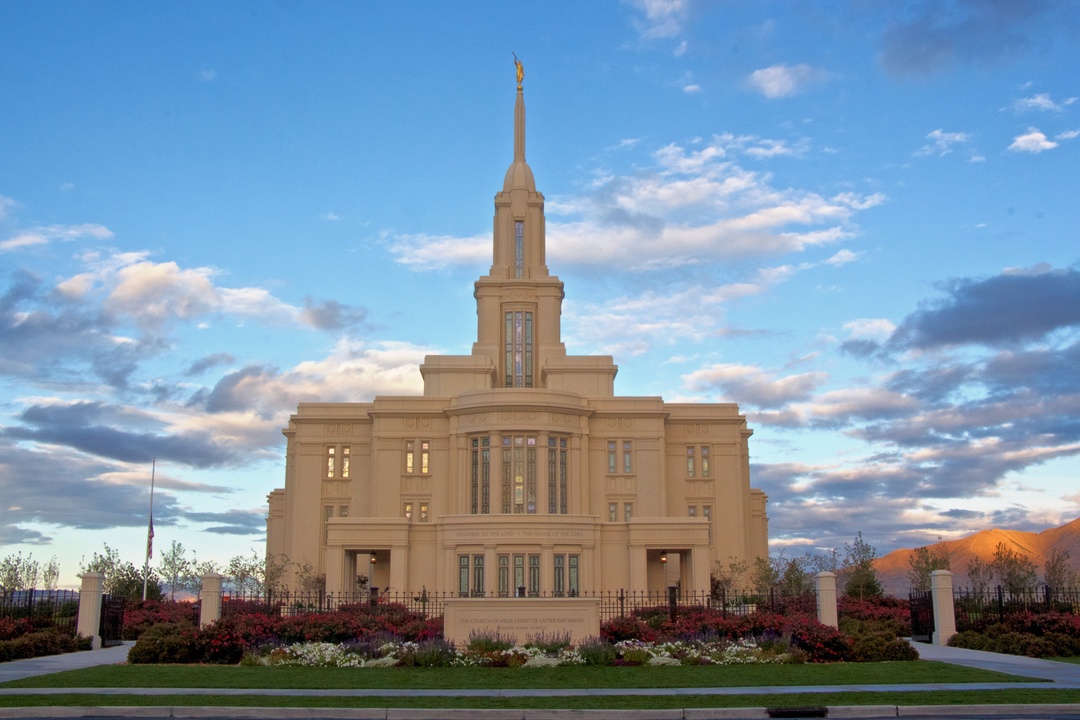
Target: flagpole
[[149, 531]]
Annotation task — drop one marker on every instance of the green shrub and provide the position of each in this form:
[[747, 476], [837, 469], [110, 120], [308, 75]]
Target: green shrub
[[429, 653], [549, 644], [882, 647], [486, 642], [37, 644], [596, 651]]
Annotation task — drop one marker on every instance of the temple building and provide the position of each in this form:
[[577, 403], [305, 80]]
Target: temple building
[[519, 470]]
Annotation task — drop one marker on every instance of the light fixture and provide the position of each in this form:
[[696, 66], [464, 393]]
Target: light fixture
[[373, 559], [663, 557]]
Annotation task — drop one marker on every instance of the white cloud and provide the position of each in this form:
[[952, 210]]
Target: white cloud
[[942, 142], [1033, 142], [843, 258], [663, 18], [691, 88], [48, 233], [1067, 135], [782, 80], [752, 385], [1040, 102], [6, 204], [680, 50], [432, 252], [208, 75], [870, 328], [331, 216]]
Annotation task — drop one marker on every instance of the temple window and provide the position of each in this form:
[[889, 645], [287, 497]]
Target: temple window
[[557, 480], [336, 461], [691, 456], [518, 337], [519, 248], [480, 479], [519, 474], [418, 457], [620, 457]]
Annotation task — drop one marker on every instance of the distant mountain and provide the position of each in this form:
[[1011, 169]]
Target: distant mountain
[[893, 569]]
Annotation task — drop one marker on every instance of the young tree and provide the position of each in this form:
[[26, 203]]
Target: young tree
[[1057, 573], [50, 574], [1014, 571], [729, 579], [18, 573], [980, 575], [861, 579], [176, 570], [926, 560], [256, 575], [122, 579]]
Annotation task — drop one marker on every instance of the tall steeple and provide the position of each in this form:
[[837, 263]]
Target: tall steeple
[[519, 304]]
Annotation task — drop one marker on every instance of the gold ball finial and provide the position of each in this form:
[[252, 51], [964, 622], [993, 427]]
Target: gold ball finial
[[520, 71]]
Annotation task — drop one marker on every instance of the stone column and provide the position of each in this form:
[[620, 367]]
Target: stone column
[[335, 569], [93, 585], [825, 589], [210, 599], [941, 590]]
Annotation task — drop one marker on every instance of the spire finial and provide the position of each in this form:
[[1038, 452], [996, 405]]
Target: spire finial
[[520, 70]]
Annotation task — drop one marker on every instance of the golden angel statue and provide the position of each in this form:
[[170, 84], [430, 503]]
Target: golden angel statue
[[520, 70]]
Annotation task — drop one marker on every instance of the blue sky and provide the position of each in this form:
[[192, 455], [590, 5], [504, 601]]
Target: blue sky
[[857, 220]]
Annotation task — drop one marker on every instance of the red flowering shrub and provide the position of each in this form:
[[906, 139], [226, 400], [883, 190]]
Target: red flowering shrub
[[139, 616], [11, 629], [880, 607], [627, 628]]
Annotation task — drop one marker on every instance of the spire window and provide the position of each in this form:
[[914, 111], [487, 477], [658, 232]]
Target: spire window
[[519, 349], [519, 249]]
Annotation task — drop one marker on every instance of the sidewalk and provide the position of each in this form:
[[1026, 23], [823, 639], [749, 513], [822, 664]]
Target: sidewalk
[[1060, 676]]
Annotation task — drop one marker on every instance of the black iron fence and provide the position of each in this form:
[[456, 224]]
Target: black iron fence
[[43, 608], [613, 604], [922, 615], [977, 608]]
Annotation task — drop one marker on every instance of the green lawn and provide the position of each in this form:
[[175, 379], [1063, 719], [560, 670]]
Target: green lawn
[[217, 676]]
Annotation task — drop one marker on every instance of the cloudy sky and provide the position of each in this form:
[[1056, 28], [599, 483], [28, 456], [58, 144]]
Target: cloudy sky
[[857, 220]]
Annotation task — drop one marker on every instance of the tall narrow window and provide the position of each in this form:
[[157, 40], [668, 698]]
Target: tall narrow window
[[425, 456], [519, 248], [408, 510], [519, 473], [410, 456], [519, 574], [423, 512], [628, 511], [612, 512], [611, 457], [518, 366], [534, 576], [478, 576], [504, 576], [331, 462], [463, 575], [345, 462], [704, 461], [690, 453], [556, 475], [343, 511], [481, 476], [627, 456], [560, 575], [507, 464], [574, 581]]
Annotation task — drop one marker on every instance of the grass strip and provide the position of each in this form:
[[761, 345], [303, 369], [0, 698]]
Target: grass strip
[[622, 702], [307, 678]]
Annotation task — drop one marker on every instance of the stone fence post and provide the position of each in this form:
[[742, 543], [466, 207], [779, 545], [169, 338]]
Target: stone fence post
[[93, 585], [825, 589], [210, 599], [941, 590]]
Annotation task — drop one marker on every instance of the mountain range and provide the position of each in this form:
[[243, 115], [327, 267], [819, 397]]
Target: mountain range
[[893, 569]]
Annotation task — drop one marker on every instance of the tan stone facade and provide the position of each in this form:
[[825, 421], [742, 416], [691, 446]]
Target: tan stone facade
[[519, 467]]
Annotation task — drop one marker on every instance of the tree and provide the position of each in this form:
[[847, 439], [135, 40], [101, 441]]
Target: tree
[[1014, 571], [926, 560], [256, 575], [980, 575], [50, 574], [1057, 573], [19, 573], [789, 577], [122, 579], [728, 580], [858, 571], [176, 570]]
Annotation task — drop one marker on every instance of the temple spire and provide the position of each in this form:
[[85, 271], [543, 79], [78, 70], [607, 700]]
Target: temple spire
[[519, 114]]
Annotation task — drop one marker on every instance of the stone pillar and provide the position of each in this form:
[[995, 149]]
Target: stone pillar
[[335, 569], [93, 585], [825, 589], [210, 599], [941, 590]]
